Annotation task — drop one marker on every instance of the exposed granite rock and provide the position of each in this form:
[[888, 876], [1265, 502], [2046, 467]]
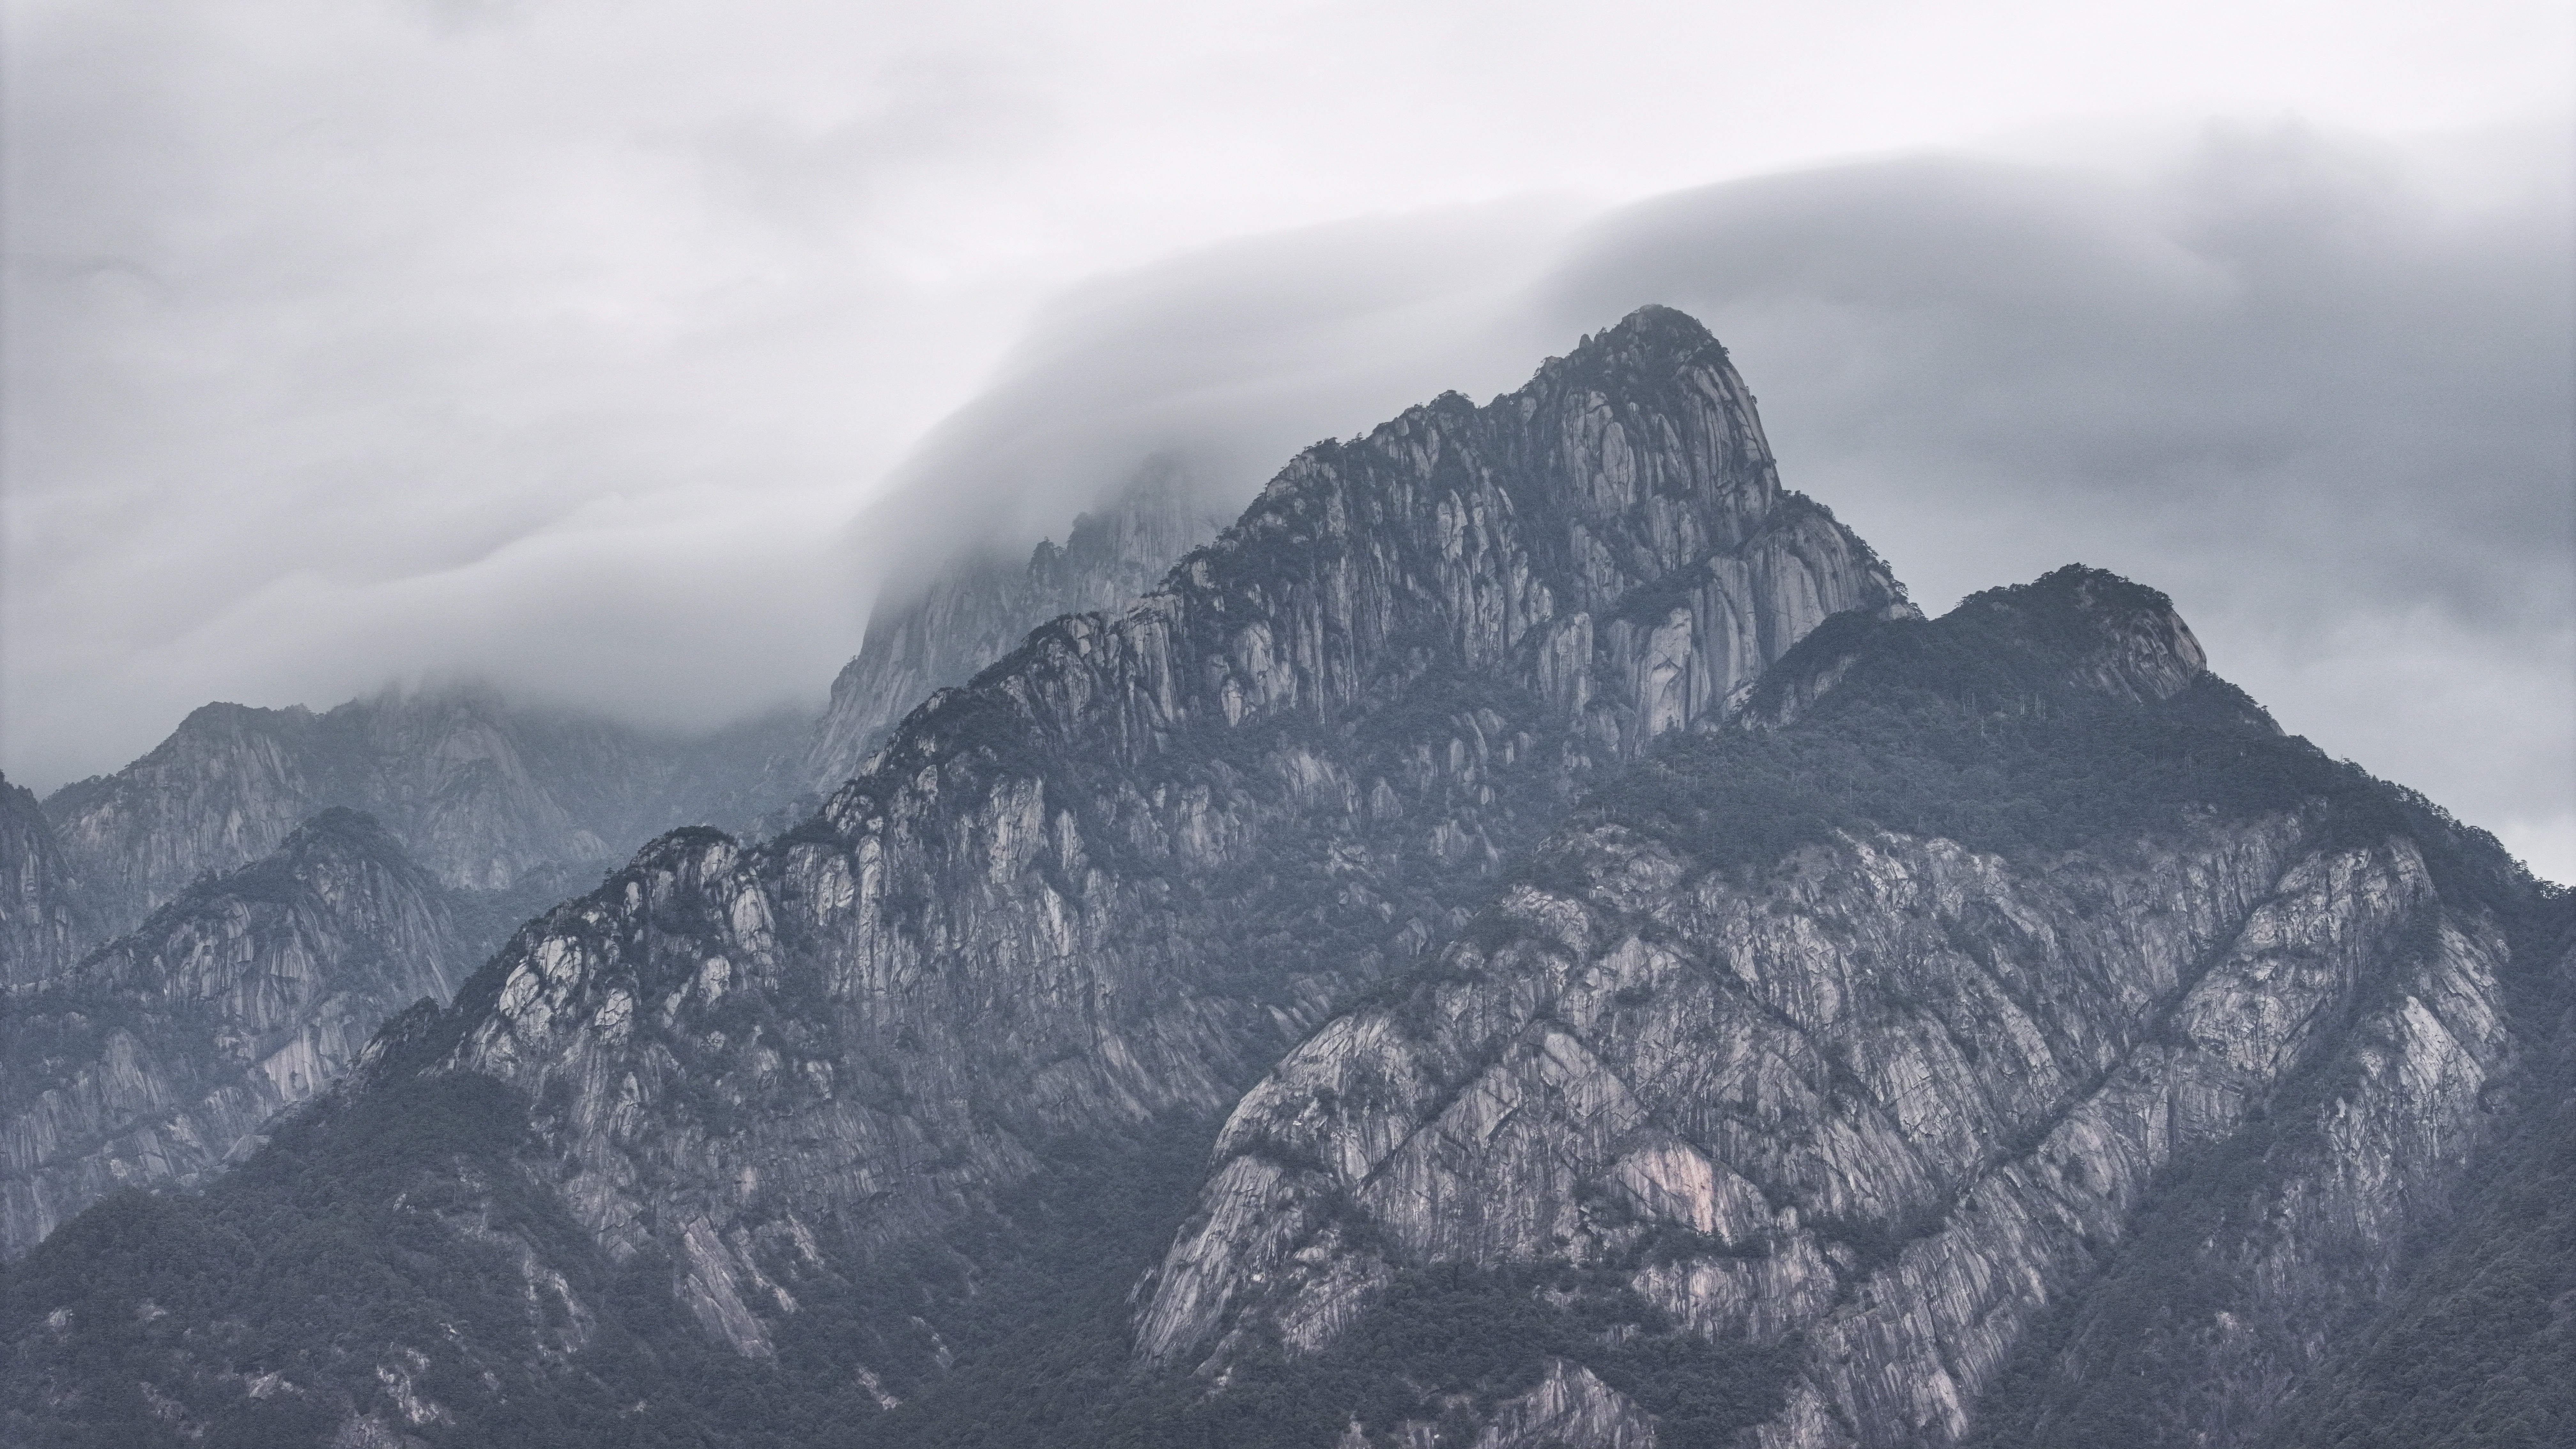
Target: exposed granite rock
[[1887, 1096], [1891, 992], [482, 792], [39, 914], [161, 1055], [980, 608]]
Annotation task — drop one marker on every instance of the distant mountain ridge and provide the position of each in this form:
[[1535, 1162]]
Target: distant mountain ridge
[[481, 791]]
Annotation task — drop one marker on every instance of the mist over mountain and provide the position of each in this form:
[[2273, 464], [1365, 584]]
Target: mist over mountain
[[1528, 937], [2307, 381], [157, 1058]]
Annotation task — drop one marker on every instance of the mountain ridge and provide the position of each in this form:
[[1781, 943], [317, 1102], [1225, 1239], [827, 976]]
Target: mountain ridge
[[1705, 1094], [1642, 983]]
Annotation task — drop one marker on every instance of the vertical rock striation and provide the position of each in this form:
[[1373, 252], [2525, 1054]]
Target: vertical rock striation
[[981, 608], [161, 1055], [39, 917]]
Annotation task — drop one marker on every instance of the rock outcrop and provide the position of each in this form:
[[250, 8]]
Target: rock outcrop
[[160, 1056], [1886, 1094], [981, 607], [40, 927]]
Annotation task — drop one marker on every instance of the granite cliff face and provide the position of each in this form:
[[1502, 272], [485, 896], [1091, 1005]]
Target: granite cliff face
[[40, 924], [981, 608], [484, 793], [1839, 1093], [159, 1057]]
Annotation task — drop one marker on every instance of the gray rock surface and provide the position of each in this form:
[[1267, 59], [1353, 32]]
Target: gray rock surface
[[1889, 1098], [40, 926], [159, 1057]]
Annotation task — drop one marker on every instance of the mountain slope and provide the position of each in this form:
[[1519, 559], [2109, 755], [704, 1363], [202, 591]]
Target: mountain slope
[[815, 1091], [1792, 1086], [163, 1053]]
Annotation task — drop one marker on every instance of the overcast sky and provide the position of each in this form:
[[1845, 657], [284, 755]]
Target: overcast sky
[[607, 351]]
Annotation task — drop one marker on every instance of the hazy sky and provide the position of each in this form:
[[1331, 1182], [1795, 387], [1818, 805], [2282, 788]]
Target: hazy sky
[[563, 343]]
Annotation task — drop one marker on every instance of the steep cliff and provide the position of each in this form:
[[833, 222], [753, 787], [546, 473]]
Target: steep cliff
[[160, 1056], [2001, 971], [40, 925], [1119, 870], [482, 792], [817, 1088], [980, 608]]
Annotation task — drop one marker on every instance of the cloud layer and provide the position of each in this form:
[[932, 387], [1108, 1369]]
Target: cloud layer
[[561, 342], [2279, 375]]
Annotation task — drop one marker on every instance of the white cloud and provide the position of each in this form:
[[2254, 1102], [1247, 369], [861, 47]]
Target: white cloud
[[555, 340]]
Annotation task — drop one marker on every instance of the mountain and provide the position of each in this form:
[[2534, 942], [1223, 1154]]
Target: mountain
[[40, 923], [1526, 939], [157, 1058], [484, 793], [981, 607], [823, 1097], [2000, 1026]]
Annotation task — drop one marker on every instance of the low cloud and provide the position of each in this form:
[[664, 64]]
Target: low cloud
[[559, 344], [2307, 385], [2284, 377]]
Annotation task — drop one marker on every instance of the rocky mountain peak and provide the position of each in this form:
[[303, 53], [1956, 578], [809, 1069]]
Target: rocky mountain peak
[[2100, 629], [2077, 637], [1652, 341]]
